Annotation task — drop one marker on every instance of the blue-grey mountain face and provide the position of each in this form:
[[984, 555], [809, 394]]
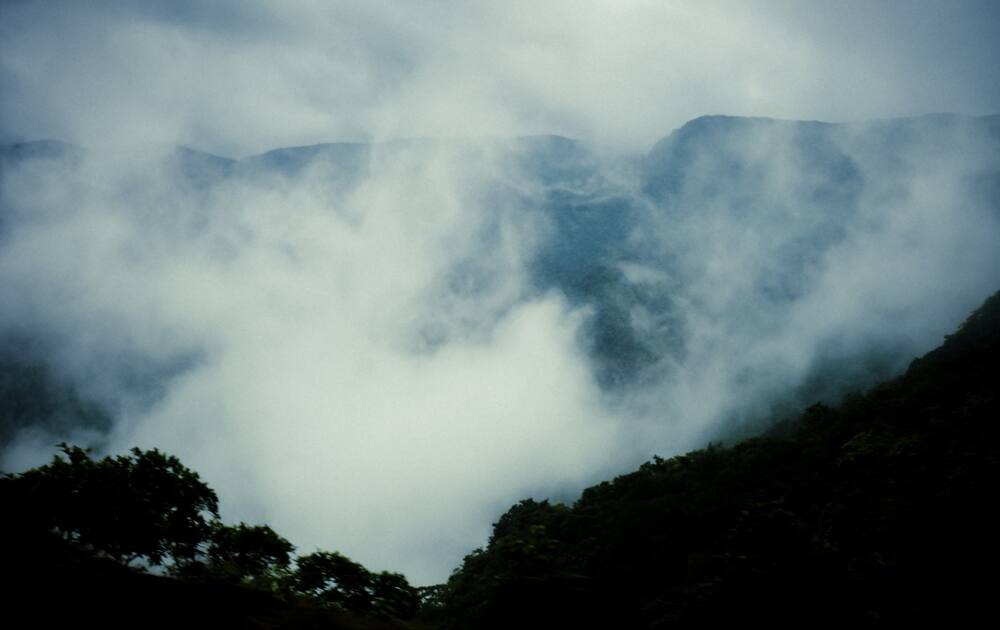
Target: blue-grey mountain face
[[761, 218], [740, 258]]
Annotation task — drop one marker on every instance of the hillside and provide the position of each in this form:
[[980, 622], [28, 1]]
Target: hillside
[[875, 513]]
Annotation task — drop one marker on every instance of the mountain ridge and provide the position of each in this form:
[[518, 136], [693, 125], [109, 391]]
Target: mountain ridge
[[698, 121]]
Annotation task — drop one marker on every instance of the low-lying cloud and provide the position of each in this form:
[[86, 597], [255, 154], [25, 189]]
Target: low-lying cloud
[[813, 257], [319, 365]]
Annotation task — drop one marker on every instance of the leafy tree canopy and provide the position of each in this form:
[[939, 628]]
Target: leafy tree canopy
[[339, 581], [144, 505], [252, 554]]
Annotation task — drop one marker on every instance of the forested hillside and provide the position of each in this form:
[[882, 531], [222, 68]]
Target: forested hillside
[[875, 513]]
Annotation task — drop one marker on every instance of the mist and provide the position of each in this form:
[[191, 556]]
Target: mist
[[239, 78], [378, 347]]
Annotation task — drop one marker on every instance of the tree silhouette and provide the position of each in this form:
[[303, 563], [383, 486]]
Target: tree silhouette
[[393, 596], [334, 579], [145, 505], [251, 554], [81, 515]]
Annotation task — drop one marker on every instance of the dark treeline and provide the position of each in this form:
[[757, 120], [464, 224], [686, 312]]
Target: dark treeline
[[872, 514], [122, 521]]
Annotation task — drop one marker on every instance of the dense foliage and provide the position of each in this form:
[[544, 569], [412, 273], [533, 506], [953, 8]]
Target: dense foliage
[[335, 579], [146, 509], [873, 514], [144, 506]]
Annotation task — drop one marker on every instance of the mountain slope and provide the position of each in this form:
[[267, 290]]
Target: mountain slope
[[876, 513]]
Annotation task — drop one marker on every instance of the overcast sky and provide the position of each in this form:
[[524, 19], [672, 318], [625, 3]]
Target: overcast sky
[[242, 76]]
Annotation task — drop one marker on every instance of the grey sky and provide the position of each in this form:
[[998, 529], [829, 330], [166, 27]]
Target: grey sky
[[237, 77]]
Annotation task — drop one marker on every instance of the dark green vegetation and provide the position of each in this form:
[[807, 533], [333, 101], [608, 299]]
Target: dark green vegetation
[[877, 513], [85, 539]]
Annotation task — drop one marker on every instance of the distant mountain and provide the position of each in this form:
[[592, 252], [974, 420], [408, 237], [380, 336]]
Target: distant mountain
[[200, 169], [766, 226], [734, 153]]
